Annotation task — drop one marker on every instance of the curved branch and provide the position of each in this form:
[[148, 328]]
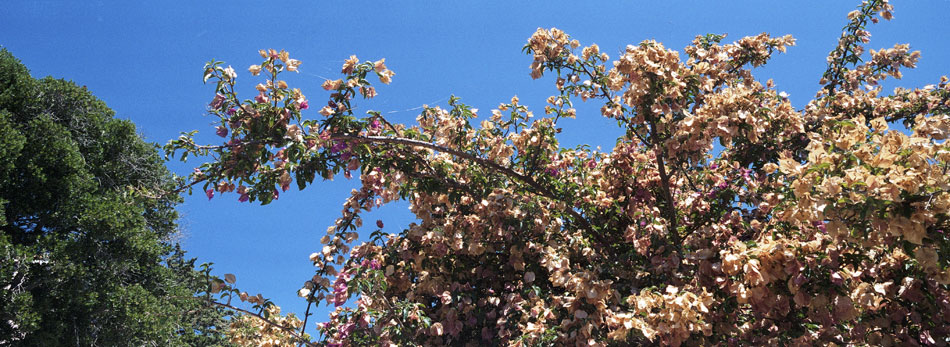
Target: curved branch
[[165, 193], [485, 163], [258, 316]]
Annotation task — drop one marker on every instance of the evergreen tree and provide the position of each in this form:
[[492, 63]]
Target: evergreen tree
[[86, 233]]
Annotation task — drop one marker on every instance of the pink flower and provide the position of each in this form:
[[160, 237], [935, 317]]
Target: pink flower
[[820, 225], [836, 279], [339, 146], [372, 264], [209, 193], [243, 191], [285, 181], [261, 98], [304, 105], [217, 102], [347, 329], [368, 92], [339, 291], [222, 131]]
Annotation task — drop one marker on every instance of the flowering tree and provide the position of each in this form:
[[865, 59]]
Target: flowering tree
[[820, 225]]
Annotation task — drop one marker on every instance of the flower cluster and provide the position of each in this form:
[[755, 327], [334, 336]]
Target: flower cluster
[[247, 330], [815, 226]]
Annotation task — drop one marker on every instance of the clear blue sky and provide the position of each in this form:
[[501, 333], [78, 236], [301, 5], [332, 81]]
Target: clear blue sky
[[144, 59]]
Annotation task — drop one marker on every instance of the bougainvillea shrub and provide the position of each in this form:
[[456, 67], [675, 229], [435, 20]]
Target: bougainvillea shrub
[[723, 215]]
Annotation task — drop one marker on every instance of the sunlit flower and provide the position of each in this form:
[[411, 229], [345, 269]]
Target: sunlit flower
[[293, 65], [349, 64], [332, 85], [380, 65], [386, 76], [303, 292], [229, 73]]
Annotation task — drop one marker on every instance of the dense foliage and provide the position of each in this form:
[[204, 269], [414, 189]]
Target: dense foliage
[[86, 249], [723, 215]]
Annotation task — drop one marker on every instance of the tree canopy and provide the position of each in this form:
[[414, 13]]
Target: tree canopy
[[86, 230], [723, 215]]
